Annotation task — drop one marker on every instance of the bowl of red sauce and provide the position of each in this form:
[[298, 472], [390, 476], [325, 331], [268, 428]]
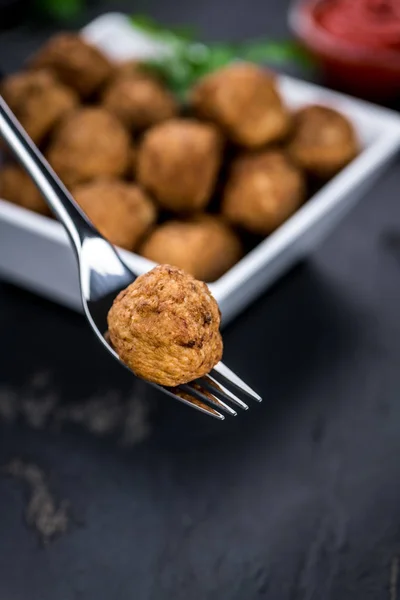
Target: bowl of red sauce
[[356, 42]]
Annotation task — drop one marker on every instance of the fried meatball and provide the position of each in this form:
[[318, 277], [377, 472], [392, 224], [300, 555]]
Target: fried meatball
[[203, 246], [244, 101], [90, 143], [76, 63], [178, 163], [262, 191], [139, 102], [323, 141], [121, 211], [134, 68], [17, 187], [38, 101], [165, 327]]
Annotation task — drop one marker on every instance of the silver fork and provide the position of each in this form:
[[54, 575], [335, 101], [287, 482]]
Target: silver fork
[[103, 275]]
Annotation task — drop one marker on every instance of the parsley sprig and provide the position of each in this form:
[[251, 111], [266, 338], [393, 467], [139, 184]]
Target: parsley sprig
[[187, 59]]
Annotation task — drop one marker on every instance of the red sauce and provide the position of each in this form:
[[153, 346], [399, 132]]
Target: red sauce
[[362, 23]]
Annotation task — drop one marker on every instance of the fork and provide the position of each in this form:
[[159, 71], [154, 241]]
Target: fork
[[103, 275]]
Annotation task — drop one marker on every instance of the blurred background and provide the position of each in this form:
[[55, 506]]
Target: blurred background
[[211, 19], [108, 490], [354, 45]]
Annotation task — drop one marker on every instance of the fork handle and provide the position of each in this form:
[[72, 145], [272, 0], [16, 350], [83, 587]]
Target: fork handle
[[51, 187]]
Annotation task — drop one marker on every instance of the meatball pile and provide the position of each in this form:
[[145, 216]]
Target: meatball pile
[[194, 186]]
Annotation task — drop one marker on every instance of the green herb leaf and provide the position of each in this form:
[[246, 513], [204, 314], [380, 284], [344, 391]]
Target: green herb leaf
[[61, 9], [267, 51], [154, 29], [188, 60]]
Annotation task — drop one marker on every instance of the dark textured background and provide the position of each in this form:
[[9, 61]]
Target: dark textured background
[[298, 499]]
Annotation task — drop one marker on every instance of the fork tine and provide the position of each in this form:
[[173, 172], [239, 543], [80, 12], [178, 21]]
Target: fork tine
[[190, 400], [205, 395], [215, 387], [228, 377]]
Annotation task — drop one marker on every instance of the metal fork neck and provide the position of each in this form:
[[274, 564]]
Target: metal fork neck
[[51, 187]]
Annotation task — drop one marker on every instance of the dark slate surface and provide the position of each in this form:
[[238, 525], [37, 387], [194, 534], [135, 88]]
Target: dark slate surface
[[296, 500]]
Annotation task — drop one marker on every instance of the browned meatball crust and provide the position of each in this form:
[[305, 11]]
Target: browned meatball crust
[[90, 143], [323, 141], [76, 63], [17, 187], [38, 101], [121, 211], [134, 68], [262, 191], [165, 327], [139, 102], [203, 246], [178, 162], [244, 101]]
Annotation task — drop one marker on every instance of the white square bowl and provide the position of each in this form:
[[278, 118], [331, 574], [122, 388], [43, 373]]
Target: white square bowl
[[35, 252]]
